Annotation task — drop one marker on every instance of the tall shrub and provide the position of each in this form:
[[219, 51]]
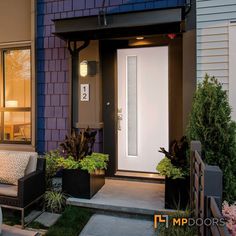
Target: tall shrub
[[210, 123]]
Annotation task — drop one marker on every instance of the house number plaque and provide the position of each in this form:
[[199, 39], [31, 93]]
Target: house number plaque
[[84, 92]]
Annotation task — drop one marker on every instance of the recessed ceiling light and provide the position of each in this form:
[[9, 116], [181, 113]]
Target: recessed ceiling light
[[140, 38]]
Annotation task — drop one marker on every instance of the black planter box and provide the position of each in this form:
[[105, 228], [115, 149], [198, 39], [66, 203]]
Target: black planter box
[[81, 184], [177, 193]]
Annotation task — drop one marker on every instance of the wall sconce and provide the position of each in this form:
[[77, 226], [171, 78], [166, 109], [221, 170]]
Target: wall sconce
[[88, 68]]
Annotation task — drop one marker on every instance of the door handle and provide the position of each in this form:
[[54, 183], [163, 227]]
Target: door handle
[[119, 118]]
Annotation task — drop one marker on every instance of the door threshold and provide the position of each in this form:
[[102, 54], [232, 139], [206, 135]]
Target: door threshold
[[139, 176]]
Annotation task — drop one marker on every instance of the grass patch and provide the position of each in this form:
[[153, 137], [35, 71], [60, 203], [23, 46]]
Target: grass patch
[[178, 231], [71, 222]]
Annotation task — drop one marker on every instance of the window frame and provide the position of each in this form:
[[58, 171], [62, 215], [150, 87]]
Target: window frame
[[3, 108]]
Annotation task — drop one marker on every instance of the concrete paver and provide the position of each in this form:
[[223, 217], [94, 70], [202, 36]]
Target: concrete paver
[[47, 219], [106, 225]]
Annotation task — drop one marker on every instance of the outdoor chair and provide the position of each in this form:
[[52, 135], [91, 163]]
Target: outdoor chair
[[29, 189]]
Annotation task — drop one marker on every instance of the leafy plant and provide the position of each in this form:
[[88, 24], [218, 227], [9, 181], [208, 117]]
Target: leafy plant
[[175, 164], [54, 201], [97, 161], [79, 144], [68, 163], [78, 149], [166, 168], [51, 166], [210, 123]]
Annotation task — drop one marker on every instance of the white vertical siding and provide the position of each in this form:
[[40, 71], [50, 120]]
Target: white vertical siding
[[213, 20], [232, 68]]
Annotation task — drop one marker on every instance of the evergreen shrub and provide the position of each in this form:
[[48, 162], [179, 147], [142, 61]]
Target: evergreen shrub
[[210, 123]]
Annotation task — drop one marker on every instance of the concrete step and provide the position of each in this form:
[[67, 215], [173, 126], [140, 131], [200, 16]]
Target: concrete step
[[134, 179], [130, 198], [138, 177], [112, 209]]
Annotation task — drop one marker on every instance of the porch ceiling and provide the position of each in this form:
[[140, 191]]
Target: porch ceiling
[[120, 25]]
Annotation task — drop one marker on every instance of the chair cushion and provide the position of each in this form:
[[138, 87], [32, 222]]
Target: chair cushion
[[12, 167], [8, 190], [32, 164]]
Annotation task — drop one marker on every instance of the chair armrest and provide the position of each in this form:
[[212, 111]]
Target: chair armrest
[[30, 187]]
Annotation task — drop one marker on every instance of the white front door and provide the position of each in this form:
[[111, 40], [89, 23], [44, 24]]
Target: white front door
[[143, 122]]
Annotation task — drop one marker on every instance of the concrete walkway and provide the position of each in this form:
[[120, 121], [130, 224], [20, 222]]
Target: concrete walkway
[[118, 202], [105, 225]]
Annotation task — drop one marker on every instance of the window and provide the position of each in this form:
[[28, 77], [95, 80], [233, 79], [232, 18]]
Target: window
[[15, 119], [132, 105]]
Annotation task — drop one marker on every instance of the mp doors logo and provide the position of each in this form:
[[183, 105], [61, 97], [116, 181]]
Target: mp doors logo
[[161, 219], [184, 221]]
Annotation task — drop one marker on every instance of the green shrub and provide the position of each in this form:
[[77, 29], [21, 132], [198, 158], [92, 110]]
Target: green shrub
[[54, 201], [68, 163], [96, 161], [51, 166], [210, 123], [166, 168]]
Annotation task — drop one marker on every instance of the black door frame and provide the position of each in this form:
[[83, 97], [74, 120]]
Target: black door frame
[[108, 54]]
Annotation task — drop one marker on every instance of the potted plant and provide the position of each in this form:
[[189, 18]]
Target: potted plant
[[175, 167], [83, 171]]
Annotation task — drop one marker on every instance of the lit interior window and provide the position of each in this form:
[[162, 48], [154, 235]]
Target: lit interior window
[[16, 118]]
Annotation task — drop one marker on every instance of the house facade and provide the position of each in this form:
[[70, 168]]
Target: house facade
[[216, 48], [18, 74], [126, 68]]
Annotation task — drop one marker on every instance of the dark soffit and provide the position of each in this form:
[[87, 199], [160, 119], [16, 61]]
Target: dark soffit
[[120, 25]]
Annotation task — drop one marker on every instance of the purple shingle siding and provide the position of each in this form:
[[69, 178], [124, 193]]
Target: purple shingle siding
[[51, 123], [59, 111], [55, 100], [48, 112], [61, 123], [52, 145], [53, 63], [55, 135], [90, 4], [79, 5]]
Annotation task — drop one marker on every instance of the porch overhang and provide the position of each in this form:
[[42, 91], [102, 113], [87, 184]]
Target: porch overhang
[[120, 25]]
